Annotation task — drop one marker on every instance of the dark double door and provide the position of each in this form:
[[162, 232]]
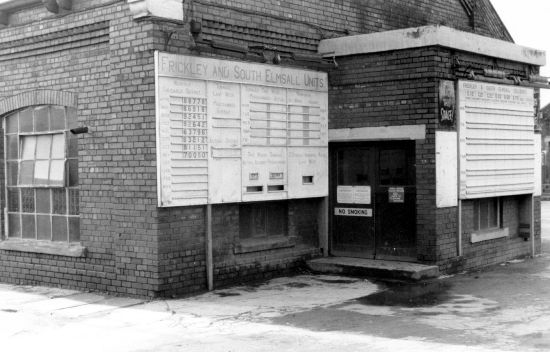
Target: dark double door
[[373, 200]]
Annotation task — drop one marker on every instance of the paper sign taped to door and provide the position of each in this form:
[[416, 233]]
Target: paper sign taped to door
[[396, 195], [361, 194], [344, 194]]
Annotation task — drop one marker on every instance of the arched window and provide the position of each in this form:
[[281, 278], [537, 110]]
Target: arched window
[[41, 163]]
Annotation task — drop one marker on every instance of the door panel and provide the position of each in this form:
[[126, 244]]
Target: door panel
[[396, 225], [396, 203], [353, 220]]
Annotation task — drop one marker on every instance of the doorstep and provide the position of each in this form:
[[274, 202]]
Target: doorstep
[[373, 268]]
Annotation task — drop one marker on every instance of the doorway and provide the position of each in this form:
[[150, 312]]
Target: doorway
[[373, 200]]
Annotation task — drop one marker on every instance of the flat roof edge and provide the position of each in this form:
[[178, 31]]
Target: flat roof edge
[[430, 36]]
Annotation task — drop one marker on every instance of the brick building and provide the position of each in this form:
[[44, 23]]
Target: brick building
[[154, 148]]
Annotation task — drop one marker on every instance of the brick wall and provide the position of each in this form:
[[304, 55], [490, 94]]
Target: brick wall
[[103, 56]]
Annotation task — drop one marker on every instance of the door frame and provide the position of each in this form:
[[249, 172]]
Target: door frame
[[378, 145]]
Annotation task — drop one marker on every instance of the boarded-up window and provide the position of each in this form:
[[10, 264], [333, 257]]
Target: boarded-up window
[[262, 220]]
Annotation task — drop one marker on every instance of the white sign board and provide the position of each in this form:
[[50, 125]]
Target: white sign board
[[231, 131], [496, 140], [446, 172]]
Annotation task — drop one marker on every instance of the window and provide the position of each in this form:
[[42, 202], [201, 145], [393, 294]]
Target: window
[[487, 214], [263, 220], [41, 160]]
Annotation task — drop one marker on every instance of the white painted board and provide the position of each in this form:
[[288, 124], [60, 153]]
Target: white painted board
[[538, 165], [446, 176], [230, 131], [496, 145]]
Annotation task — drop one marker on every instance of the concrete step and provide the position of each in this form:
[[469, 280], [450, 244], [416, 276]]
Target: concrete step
[[373, 268]]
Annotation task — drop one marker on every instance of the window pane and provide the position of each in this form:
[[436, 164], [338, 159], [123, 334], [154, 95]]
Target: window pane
[[74, 229], [43, 146], [27, 200], [245, 221], [483, 214], [14, 225], [73, 146], [493, 212], [57, 173], [354, 167], [259, 221], [28, 226], [276, 220], [28, 144], [43, 200], [26, 173], [74, 206], [57, 118], [58, 146], [43, 227], [59, 202], [476, 215], [41, 119], [13, 199], [59, 228], [72, 121], [25, 120], [41, 170], [12, 151], [11, 123], [13, 170], [73, 172]]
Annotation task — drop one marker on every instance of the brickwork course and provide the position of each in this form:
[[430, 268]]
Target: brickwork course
[[99, 59]]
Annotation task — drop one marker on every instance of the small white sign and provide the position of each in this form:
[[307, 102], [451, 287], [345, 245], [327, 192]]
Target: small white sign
[[344, 194], [364, 212], [361, 194]]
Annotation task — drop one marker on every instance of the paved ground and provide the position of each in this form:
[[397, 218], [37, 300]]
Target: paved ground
[[506, 308]]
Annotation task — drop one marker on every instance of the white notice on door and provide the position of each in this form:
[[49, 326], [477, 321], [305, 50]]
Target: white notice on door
[[361, 194], [365, 212], [344, 194]]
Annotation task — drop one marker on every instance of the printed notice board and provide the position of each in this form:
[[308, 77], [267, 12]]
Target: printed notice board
[[230, 131]]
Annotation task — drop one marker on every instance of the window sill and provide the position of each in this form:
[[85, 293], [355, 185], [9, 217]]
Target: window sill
[[43, 247], [263, 244], [489, 235]]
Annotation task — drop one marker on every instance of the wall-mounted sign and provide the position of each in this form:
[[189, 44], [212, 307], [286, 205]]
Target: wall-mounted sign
[[231, 131], [447, 106], [363, 212], [396, 195], [496, 140]]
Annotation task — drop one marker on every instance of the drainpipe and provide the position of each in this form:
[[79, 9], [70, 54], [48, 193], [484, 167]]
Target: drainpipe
[[322, 220], [532, 227], [209, 257], [459, 244]]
